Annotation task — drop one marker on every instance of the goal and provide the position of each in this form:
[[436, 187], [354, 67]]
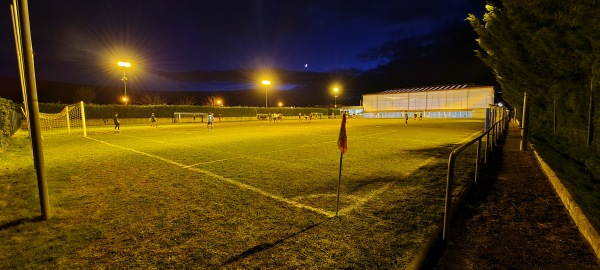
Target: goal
[[70, 120], [188, 117]]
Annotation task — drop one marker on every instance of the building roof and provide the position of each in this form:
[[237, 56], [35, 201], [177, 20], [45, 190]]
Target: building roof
[[426, 88]]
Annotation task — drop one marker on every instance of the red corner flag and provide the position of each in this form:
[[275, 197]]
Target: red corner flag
[[343, 139]]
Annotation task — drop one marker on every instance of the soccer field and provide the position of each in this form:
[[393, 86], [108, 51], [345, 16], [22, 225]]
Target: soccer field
[[246, 194]]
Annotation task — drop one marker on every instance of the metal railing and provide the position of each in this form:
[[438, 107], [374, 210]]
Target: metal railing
[[494, 132]]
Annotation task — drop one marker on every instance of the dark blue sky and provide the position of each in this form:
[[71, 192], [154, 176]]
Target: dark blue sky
[[80, 41]]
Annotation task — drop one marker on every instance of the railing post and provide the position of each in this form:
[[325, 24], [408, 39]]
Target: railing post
[[492, 141], [524, 124], [487, 147], [448, 207], [477, 161], [496, 133]]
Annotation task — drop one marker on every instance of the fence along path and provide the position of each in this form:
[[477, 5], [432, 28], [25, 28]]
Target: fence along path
[[518, 221]]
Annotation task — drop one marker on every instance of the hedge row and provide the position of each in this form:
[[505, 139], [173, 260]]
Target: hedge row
[[94, 111], [9, 121]]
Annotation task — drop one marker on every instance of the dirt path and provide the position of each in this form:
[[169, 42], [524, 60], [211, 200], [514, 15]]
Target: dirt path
[[518, 221]]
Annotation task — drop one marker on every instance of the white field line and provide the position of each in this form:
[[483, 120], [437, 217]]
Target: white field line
[[227, 180], [365, 199], [239, 156], [360, 200]]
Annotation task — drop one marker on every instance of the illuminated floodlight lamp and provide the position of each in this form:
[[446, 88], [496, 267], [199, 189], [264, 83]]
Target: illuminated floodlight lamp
[[124, 64]]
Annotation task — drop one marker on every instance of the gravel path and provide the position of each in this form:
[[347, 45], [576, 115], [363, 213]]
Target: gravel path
[[517, 221]]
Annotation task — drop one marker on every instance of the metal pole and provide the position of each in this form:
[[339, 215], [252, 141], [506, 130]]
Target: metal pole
[[125, 86], [337, 207], [266, 93], [448, 206], [591, 112], [523, 145], [554, 118], [83, 119], [487, 147], [590, 134], [68, 119], [36, 135], [19, 47], [477, 158]]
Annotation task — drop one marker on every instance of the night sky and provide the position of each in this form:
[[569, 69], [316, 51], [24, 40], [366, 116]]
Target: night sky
[[231, 44]]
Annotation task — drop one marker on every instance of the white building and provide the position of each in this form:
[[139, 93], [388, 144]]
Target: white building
[[452, 101]]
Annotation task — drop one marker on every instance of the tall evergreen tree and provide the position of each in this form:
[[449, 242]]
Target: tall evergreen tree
[[547, 49]]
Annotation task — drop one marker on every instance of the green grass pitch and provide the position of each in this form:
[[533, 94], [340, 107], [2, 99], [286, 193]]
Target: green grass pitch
[[246, 195]]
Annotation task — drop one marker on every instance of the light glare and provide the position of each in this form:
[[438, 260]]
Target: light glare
[[124, 64]]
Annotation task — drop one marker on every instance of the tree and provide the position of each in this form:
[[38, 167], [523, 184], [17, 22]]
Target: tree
[[548, 49], [544, 48], [85, 94], [152, 99], [211, 100], [187, 100]]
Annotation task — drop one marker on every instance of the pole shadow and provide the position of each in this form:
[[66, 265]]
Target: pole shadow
[[266, 246], [18, 222]]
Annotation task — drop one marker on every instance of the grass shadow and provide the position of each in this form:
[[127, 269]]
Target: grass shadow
[[427, 152], [18, 222]]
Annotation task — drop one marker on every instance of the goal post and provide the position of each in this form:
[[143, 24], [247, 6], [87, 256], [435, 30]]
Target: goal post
[[70, 120], [189, 117]]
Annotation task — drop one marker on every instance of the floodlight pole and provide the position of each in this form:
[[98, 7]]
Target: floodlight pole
[[33, 107], [266, 83], [19, 47], [124, 79], [335, 90]]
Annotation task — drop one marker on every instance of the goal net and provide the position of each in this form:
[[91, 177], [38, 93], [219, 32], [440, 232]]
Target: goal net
[[189, 117], [70, 120]]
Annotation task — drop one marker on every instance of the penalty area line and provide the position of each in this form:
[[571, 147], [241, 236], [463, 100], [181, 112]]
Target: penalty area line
[[225, 179]]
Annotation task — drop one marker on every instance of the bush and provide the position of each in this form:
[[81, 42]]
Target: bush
[[9, 121], [95, 111]]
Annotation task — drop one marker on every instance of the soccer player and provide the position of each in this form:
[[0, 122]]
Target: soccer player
[[153, 121], [210, 121], [406, 118], [117, 124]]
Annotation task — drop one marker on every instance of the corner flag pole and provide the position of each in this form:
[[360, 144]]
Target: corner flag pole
[[337, 207], [343, 145]]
